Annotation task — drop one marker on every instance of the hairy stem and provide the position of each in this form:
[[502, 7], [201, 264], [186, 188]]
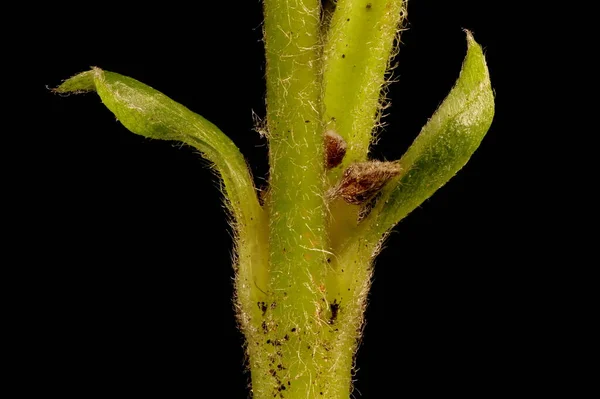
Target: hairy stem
[[357, 54], [304, 258], [291, 361]]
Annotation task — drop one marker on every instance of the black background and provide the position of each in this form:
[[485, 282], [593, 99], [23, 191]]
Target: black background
[[135, 294]]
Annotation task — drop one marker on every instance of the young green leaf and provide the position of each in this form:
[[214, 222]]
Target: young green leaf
[[150, 113], [444, 145]]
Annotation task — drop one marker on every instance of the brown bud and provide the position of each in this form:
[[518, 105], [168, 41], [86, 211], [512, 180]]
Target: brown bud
[[362, 181], [335, 149]]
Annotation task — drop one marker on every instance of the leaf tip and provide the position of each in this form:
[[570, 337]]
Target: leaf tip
[[471, 42], [470, 38], [81, 83]]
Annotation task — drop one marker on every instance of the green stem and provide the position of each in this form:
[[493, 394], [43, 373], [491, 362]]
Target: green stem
[[357, 55], [291, 362], [304, 260]]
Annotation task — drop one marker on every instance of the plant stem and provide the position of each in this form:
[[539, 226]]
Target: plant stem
[[291, 361], [357, 54], [304, 257]]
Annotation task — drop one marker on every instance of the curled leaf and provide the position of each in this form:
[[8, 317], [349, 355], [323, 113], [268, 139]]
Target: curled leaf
[[445, 143], [149, 113]]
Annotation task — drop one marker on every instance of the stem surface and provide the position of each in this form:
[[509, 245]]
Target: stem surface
[[291, 363]]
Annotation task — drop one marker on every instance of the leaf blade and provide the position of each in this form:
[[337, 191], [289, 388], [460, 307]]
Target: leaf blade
[[149, 113], [444, 145]]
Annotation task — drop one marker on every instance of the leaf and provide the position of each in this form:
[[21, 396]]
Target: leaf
[[444, 145], [150, 113]]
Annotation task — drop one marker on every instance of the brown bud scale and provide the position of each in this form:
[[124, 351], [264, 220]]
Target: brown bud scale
[[335, 149], [362, 181]]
